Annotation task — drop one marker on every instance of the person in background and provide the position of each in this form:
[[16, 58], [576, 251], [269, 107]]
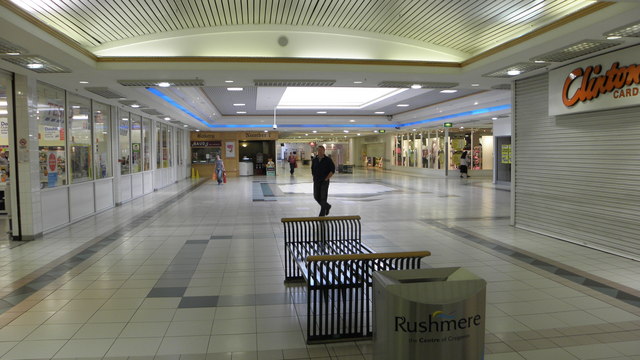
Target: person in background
[[464, 164], [219, 169], [292, 162], [322, 169]]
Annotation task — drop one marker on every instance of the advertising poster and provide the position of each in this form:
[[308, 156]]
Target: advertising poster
[[230, 149]]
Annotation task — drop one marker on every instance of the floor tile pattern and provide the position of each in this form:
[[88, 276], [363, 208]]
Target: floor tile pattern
[[195, 271]]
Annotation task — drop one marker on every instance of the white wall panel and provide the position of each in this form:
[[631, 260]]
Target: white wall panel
[[104, 194], [125, 188], [55, 207], [81, 200], [576, 176], [147, 179], [137, 185]]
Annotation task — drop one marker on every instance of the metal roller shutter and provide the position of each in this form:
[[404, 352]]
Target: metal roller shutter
[[577, 177]]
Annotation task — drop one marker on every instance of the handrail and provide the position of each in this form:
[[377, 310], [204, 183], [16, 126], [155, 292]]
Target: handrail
[[321, 218], [388, 255]]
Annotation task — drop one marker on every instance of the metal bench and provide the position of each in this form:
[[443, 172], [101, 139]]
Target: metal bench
[[327, 253]]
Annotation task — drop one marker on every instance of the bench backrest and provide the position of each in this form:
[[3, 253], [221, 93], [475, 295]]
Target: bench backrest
[[322, 229]]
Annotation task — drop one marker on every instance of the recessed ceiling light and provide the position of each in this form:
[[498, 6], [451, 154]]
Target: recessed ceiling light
[[185, 125], [167, 118], [379, 112], [614, 37], [228, 81], [352, 120], [475, 84], [135, 105], [13, 53], [375, 131], [306, 134], [314, 131], [83, 82], [461, 127], [448, 91], [241, 112], [357, 82], [402, 105], [414, 129], [539, 61], [321, 112], [416, 86], [164, 84], [234, 89], [266, 131], [238, 104], [513, 72], [358, 134], [494, 118], [197, 130], [35, 66], [475, 103], [345, 131]]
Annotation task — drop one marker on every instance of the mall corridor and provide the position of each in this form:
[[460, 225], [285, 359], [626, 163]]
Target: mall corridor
[[195, 271]]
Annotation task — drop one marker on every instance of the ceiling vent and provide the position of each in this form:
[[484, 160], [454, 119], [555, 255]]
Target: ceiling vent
[[294, 83], [8, 48], [501, 87], [36, 63], [152, 83], [151, 112], [631, 30], [425, 85], [131, 103], [514, 70], [578, 49], [105, 92]]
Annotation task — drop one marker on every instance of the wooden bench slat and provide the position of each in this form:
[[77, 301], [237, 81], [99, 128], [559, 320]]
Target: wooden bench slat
[[320, 218], [388, 255]]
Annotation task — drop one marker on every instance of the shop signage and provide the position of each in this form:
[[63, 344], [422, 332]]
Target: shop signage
[[206, 144], [506, 154], [604, 82]]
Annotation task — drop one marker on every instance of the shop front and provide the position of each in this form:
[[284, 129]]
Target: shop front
[[441, 149], [244, 153], [575, 153]]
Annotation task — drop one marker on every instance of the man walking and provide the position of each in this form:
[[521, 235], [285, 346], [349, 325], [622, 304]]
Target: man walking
[[322, 169]]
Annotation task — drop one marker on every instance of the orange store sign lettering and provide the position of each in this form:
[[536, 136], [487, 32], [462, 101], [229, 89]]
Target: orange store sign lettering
[[616, 80]]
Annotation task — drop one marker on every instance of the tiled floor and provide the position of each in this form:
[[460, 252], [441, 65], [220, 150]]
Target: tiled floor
[[195, 271]]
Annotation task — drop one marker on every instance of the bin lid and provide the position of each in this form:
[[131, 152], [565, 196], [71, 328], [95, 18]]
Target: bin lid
[[433, 286]]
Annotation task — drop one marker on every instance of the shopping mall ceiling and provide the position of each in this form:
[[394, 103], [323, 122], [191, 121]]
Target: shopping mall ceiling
[[425, 61]]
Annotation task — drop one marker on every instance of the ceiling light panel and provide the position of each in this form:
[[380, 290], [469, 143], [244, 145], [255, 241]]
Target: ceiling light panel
[[296, 83], [425, 85], [334, 97], [521, 67], [576, 50], [26, 60], [631, 30], [147, 83], [477, 25], [105, 92]]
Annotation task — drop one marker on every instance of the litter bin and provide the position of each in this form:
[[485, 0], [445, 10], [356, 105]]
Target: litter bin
[[428, 314]]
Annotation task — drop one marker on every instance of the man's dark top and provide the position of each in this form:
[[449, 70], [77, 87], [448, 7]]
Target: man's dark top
[[320, 168]]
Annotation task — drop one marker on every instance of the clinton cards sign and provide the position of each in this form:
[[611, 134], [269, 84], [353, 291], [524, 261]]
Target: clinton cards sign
[[600, 83]]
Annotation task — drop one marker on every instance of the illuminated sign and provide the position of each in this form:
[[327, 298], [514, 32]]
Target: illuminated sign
[[448, 124], [605, 82]]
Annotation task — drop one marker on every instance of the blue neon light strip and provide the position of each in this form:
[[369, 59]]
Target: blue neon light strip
[[239, 126], [466, 113], [176, 105]]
